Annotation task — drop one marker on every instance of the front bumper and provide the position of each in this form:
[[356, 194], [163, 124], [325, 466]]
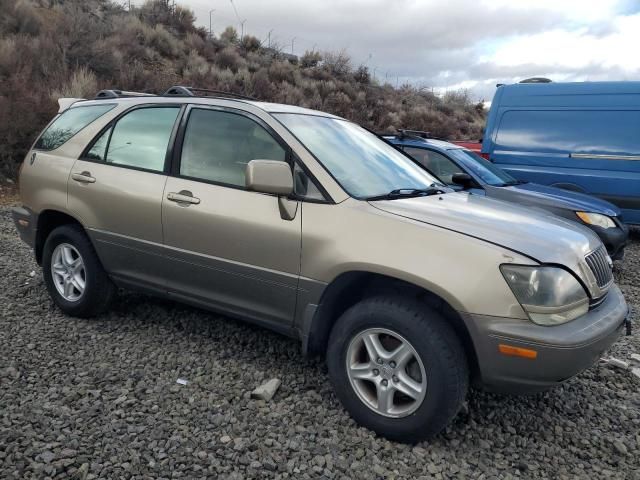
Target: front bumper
[[562, 351], [26, 223]]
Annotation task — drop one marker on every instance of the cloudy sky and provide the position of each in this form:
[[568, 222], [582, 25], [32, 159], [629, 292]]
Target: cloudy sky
[[449, 44]]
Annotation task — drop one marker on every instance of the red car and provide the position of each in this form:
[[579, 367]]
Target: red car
[[475, 147]]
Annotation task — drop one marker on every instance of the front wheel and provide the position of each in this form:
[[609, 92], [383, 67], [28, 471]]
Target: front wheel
[[397, 367], [73, 274]]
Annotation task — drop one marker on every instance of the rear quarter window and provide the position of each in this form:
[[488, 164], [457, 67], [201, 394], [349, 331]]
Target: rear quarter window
[[573, 131], [68, 123]]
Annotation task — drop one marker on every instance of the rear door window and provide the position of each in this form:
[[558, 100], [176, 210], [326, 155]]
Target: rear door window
[[573, 131], [68, 123], [139, 139]]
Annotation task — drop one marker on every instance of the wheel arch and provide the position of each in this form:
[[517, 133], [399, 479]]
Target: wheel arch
[[350, 287], [48, 220]]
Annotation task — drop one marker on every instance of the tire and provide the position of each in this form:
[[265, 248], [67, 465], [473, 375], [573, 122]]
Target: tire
[[433, 342], [98, 291]]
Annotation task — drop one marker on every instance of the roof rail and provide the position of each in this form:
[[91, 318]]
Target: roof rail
[[120, 94], [181, 91]]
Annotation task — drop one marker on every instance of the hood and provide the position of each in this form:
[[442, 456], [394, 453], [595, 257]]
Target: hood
[[551, 197], [536, 234]]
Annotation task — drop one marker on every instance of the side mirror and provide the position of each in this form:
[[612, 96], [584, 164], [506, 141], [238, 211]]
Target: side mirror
[[269, 176], [463, 179]]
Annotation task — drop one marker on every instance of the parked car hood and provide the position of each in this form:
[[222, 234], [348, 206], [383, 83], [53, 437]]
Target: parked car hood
[[543, 196], [540, 235]]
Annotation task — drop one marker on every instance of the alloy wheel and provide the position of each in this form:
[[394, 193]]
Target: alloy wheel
[[68, 272], [386, 372]]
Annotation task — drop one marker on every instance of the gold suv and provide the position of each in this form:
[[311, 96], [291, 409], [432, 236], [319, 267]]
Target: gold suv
[[310, 225]]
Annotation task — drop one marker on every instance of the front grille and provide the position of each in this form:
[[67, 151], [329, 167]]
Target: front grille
[[599, 265]]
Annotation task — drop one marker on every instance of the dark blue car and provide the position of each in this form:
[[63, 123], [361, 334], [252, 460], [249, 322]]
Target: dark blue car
[[580, 136], [460, 168]]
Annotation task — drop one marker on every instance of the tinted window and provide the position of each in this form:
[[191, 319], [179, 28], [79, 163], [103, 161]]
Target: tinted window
[[570, 131], [139, 139], [69, 123], [435, 162], [362, 163], [218, 145], [483, 169]]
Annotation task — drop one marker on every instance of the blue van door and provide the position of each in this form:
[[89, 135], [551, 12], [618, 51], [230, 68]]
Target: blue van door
[[587, 150]]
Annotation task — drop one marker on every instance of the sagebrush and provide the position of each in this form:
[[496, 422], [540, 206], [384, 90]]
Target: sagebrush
[[54, 48]]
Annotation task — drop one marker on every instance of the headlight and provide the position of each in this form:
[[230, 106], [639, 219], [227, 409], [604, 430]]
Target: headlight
[[596, 219], [549, 295]]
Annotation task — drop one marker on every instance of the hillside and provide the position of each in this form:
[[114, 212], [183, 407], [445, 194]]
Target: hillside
[[53, 48]]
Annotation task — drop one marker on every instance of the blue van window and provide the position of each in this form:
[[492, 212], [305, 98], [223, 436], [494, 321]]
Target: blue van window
[[573, 131]]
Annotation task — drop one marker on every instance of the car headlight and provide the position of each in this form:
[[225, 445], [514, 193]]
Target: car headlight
[[596, 219], [549, 295]]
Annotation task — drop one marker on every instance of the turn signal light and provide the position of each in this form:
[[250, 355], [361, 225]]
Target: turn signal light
[[517, 351]]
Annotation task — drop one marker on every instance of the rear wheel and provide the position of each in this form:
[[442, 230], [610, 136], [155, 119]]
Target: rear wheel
[[73, 273], [397, 367]]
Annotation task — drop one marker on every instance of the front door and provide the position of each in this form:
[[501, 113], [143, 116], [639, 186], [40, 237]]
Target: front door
[[229, 248], [116, 190]]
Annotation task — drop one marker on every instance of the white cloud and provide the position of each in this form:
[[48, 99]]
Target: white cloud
[[470, 44], [576, 10], [576, 49]]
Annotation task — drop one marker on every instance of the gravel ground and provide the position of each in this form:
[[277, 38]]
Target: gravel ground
[[99, 399]]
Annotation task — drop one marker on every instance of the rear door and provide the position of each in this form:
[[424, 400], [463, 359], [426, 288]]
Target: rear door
[[229, 248], [116, 190]]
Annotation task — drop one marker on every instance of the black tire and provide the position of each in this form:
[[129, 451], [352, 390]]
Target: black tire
[[99, 289], [433, 340]]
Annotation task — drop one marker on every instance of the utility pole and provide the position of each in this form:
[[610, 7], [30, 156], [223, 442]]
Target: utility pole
[[210, 23], [292, 42], [242, 29], [269, 38], [240, 21]]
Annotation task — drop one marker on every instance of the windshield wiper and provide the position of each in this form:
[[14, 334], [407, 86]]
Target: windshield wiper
[[511, 183], [407, 193]]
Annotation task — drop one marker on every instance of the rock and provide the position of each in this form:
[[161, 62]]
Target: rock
[[617, 363], [47, 457], [225, 439], [267, 390], [635, 358], [620, 447], [635, 373]]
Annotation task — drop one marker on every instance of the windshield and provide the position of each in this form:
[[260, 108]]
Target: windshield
[[482, 168], [364, 165]]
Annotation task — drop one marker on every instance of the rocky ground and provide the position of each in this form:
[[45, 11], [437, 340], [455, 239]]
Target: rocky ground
[[98, 399]]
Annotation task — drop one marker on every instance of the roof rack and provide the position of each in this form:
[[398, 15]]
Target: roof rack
[[181, 91], [120, 94], [414, 133], [535, 80], [411, 134]]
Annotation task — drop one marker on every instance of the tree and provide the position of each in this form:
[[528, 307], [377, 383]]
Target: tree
[[230, 35]]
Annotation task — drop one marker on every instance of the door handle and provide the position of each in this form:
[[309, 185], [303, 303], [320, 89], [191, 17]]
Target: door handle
[[183, 196], [84, 177]]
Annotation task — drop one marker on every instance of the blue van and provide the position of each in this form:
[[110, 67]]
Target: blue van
[[583, 137]]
